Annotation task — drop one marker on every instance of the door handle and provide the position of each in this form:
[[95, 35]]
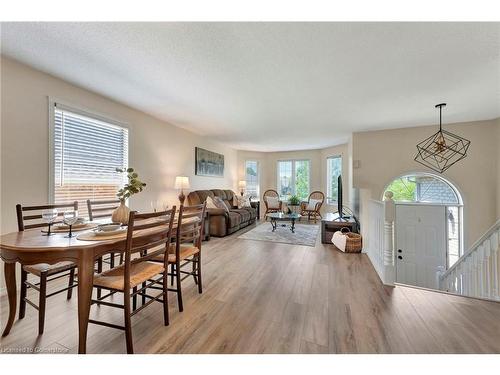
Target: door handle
[[400, 251], [400, 257]]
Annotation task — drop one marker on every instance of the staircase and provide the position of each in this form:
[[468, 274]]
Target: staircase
[[476, 273]]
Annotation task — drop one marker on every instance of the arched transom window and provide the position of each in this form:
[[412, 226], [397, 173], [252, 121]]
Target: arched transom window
[[423, 188]]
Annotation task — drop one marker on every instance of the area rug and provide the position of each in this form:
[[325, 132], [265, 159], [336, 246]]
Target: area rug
[[305, 234]]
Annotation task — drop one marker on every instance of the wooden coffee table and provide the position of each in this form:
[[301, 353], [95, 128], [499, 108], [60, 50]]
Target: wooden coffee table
[[280, 216]]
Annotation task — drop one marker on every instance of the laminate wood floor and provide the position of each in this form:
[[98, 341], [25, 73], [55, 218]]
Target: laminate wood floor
[[262, 297]]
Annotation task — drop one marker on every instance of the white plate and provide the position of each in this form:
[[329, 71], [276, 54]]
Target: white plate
[[98, 232]]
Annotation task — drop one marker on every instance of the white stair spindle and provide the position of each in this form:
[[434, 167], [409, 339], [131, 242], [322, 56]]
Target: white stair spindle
[[487, 266]]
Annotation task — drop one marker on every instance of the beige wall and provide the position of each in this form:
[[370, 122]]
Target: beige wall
[[157, 150], [268, 167], [498, 168], [387, 154]]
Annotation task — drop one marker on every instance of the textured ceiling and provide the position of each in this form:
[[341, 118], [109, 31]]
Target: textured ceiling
[[276, 86]]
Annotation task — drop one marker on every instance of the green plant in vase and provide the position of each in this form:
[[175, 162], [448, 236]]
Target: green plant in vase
[[294, 200], [134, 186]]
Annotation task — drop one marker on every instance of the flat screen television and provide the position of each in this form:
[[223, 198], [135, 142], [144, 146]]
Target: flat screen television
[[339, 197]]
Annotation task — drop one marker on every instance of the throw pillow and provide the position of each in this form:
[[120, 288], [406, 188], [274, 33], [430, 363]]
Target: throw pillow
[[219, 203], [210, 202], [311, 206], [273, 202], [243, 201]]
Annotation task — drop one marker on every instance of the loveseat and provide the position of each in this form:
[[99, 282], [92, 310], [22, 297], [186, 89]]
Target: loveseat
[[222, 221]]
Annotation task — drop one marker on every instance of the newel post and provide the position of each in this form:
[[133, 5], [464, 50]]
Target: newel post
[[390, 216]]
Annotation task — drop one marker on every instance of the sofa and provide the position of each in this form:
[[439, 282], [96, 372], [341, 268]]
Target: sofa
[[222, 221]]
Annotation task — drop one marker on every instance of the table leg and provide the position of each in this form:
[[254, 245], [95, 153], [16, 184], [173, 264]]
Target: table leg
[[274, 224], [10, 283], [85, 285], [293, 226]]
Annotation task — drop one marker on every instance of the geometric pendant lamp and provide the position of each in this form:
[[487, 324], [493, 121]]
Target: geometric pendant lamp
[[442, 149]]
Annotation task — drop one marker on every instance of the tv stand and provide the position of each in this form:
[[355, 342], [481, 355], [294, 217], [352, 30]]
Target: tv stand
[[332, 223]]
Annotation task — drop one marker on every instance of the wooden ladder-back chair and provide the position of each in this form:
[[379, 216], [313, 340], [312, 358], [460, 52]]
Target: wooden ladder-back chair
[[187, 249], [43, 270], [270, 208], [103, 209], [148, 237], [313, 205]]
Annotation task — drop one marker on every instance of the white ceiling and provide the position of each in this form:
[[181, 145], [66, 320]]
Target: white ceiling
[[276, 86]]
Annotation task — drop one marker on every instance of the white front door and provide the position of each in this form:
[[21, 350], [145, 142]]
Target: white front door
[[420, 243]]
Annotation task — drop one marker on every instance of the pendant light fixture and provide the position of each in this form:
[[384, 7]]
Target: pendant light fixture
[[442, 149]]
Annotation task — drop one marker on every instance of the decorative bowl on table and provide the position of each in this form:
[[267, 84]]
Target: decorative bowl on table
[[112, 227]]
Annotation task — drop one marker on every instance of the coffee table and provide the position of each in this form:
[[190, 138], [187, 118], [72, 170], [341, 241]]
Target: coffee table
[[280, 216]]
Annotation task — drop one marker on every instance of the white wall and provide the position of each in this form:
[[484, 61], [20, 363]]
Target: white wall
[[387, 154], [157, 150]]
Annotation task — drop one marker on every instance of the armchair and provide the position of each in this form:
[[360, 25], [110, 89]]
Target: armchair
[[272, 202], [313, 205]]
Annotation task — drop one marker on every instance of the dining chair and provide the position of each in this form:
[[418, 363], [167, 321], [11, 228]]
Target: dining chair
[[272, 202], [186, 249], [103, 209], [42, 270], [313, 205], [148, 237]]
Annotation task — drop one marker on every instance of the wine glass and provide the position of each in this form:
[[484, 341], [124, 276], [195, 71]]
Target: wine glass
[[69, 218], [49, 216], [154, 205]]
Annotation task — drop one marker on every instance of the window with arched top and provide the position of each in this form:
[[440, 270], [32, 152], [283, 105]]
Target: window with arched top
[[432, 189], [424, 188]]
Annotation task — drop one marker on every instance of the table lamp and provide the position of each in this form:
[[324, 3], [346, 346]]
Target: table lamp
[[242, 185], [181, 183]]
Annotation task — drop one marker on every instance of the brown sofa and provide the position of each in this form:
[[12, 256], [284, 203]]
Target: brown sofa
[[223, 222]]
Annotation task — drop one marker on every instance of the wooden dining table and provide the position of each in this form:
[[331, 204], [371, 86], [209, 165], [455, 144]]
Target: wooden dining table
[[31, 247]]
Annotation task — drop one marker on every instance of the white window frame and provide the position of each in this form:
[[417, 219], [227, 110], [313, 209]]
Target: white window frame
[[258, 175], [292, 182], [328, 193], [80, 111]]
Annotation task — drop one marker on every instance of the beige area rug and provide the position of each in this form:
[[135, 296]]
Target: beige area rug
[[305, 234]]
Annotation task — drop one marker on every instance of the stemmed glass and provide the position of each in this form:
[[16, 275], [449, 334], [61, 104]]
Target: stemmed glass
[[154, 205], [70, 218], [49, 216]]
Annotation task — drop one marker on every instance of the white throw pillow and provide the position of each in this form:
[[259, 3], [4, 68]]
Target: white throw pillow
[[311, 206], [273, 202], [243, 201], [210, 202]]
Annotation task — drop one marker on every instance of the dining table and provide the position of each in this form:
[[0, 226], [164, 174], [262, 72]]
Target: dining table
[[32, 247]]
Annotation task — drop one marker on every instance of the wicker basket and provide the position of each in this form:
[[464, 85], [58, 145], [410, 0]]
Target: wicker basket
[[354, 241]]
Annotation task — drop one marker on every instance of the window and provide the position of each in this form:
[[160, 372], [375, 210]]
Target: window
[[293, 178], [333, 171], [86, 151], [422, 188], [252, 177], [428, 188]]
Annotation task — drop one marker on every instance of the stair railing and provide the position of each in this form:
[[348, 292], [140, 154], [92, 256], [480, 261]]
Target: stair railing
[[476, 273]]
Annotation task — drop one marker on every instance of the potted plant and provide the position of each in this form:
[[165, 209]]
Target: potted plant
[[294, 200], [134, 186]]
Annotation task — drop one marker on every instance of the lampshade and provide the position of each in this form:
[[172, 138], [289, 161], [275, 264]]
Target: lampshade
[[182, 182], [242, 184]]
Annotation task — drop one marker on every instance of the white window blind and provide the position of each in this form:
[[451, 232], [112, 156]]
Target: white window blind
[[86, 152], [333, 171], [252, 177]]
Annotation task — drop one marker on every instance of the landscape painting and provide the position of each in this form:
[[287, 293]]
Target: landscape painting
[[208, 163]]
